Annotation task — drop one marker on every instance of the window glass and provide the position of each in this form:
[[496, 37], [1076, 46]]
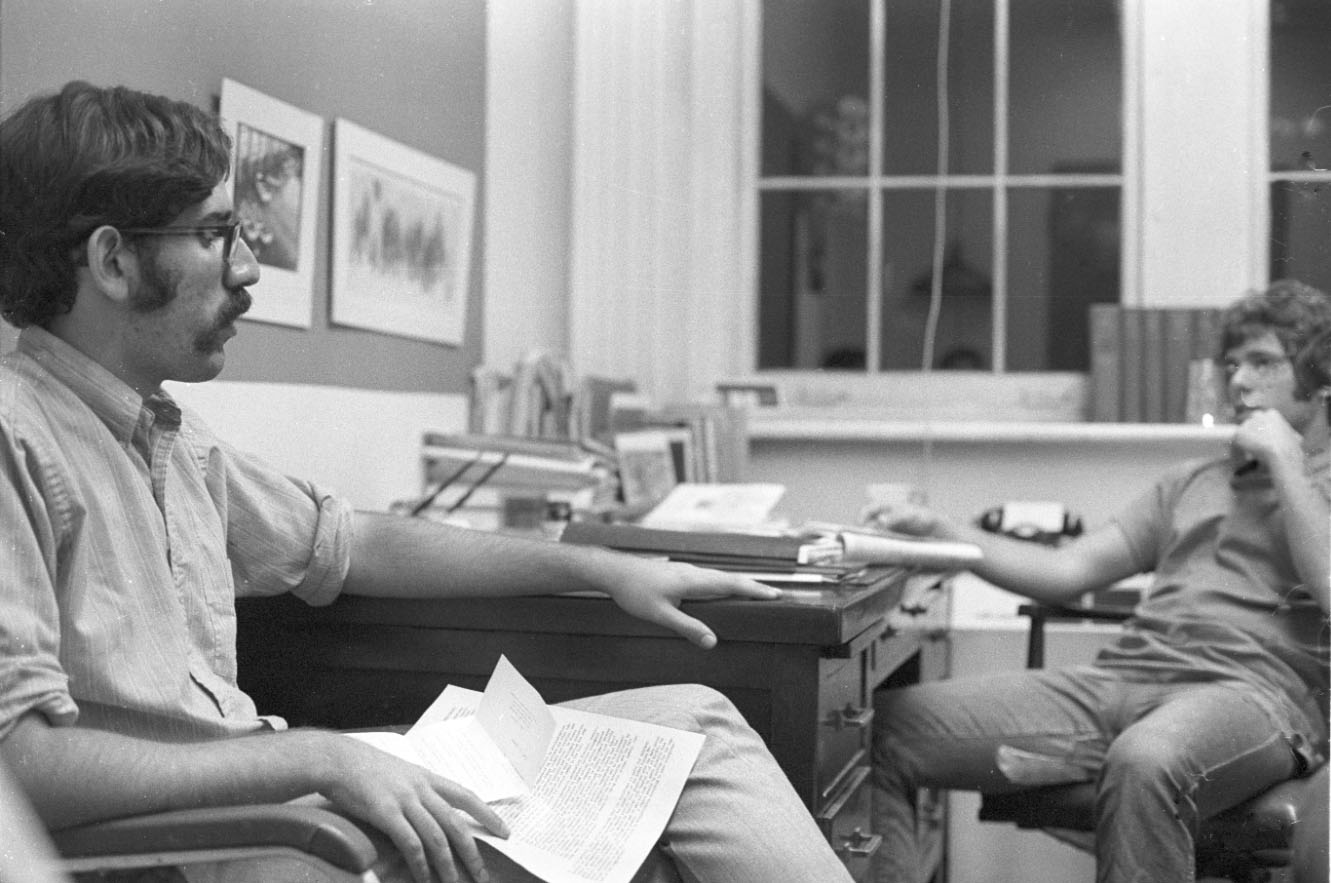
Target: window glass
[[910, 105], [815, 87], [811, 304], [1300, 85], [1300, 117], [1064, 85], [965, 327], [1063, 256], [1301, 232]]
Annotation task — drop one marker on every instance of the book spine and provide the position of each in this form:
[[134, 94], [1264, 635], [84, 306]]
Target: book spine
[[1106, 383], [1178, 341], [1153, 365], [1131, 375]]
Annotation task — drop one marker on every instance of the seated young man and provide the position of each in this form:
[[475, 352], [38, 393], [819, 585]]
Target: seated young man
[[128, 529], [1216, 689]]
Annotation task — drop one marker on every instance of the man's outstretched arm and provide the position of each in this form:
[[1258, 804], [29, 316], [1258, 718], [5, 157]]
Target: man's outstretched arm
[[392, 556]]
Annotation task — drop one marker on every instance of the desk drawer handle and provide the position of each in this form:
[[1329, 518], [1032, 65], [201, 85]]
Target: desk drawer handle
[[859, 844], [850, 717]]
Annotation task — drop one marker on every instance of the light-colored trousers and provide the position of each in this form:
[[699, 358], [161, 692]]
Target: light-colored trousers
[[1164, 756], [737, 821]]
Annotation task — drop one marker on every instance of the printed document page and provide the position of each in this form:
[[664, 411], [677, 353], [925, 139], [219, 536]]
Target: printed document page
[[585, 796]]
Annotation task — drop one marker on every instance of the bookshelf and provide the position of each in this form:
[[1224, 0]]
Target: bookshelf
[[794, 425]]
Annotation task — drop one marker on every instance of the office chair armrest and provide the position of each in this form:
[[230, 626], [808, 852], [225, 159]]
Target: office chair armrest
[[310, 829], [1039, 614]]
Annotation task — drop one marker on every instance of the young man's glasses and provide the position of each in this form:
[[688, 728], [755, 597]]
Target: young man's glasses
[[228, 233]]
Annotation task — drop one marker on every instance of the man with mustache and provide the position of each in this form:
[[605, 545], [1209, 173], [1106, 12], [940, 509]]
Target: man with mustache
[[128, 529], [1217, 689]]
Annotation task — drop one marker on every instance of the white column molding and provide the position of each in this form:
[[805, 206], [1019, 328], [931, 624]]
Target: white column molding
[[1202, 168]]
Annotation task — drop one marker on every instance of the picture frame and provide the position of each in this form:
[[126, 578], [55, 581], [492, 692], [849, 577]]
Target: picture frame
[[276, 174], [402, 237]]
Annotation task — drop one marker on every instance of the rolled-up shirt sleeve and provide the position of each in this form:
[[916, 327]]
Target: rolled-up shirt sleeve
[[31, 676], [284, 534]]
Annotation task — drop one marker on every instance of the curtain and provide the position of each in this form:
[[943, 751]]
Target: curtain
[[661, 238]]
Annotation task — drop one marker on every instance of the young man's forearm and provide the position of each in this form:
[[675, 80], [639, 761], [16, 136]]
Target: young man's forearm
[[75, 775]]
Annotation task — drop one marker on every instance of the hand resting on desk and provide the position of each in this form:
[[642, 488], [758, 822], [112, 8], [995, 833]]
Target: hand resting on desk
[[396, 557]]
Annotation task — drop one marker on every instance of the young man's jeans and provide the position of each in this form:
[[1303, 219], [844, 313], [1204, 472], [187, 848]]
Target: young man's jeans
[[1165, 756], [738, 820]]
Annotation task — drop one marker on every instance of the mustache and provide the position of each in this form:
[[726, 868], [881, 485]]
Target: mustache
[[239, 305]]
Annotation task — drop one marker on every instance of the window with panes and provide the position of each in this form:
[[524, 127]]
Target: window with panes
[[940, 182]]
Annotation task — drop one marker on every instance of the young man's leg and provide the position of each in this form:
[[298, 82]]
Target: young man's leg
[[738, 820], [1194, 751], [998, 733]]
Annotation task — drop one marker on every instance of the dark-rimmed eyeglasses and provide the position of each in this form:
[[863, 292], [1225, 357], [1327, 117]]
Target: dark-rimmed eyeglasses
[[228, 233]]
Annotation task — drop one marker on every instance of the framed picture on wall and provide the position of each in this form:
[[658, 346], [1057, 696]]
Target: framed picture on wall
[[275, 180], [402, 227]]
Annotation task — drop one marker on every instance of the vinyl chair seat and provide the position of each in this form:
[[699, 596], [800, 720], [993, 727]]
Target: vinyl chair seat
[[1261, 827], [181, 836]]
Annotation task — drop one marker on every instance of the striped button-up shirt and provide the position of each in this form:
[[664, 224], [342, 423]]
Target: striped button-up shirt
[[126, 532]]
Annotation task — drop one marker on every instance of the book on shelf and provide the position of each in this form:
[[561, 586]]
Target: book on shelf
[[1153, 364], [573, 817], [591, 407], [1106, 381], [490, 400], [1142, 359], [1132, 378]]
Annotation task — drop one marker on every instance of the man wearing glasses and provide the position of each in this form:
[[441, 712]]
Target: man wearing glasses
[[128, 529], [1217, 688]]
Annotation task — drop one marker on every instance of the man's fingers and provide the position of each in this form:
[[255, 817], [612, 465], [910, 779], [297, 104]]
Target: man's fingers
[[413, 851], [748, 588], [676, 620], [467, 801]]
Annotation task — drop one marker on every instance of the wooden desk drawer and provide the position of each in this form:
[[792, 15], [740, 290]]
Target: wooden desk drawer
[[845, 821], [845, 722]]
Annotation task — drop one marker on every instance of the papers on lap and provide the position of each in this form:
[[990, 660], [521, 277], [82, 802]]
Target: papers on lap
[[585, 796]]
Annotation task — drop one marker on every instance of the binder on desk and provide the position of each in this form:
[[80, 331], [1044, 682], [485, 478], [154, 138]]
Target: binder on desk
[[723, 550]]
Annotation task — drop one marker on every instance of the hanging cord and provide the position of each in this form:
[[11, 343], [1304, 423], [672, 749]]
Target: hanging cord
[[940, 230], [940, 191]]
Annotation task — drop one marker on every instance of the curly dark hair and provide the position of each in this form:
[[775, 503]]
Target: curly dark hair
[[85, 157], [1296, 312]]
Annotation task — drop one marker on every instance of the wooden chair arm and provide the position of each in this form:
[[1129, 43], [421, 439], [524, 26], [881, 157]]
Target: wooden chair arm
[[310, 829]]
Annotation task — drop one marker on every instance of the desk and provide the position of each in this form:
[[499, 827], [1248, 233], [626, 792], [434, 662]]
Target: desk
[[801, 669]]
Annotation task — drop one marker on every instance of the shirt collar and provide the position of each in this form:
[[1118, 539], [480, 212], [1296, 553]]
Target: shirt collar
[[113, 401]]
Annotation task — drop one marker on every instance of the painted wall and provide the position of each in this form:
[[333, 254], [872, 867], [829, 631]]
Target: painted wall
[[412, 70]]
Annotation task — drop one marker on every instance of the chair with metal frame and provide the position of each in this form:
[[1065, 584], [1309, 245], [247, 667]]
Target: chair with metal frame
[[325, 841], [1243, 844]]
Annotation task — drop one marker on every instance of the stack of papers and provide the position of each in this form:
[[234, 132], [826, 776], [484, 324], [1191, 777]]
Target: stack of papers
[[576, 814]]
